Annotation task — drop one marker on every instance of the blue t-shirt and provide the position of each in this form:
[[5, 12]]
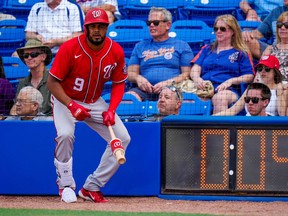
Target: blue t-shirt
[[222, 66], [161, 61], [268, 26]]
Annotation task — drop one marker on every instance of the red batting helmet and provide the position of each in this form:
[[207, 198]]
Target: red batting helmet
[[96, 15]]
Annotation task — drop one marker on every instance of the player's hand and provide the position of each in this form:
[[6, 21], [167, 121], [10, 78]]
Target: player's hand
[[108, 117], [79, 112]]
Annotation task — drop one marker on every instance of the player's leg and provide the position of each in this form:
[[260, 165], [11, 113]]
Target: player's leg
[[65, 127], [108, 163]]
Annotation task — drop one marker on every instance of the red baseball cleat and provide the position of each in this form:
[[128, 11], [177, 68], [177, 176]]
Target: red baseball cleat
[[94, 196]]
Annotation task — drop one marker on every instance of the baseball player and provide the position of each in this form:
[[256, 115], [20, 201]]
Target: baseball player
[[79, 72]]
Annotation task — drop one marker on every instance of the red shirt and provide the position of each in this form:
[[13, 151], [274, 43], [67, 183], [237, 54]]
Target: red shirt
[[83, 71]]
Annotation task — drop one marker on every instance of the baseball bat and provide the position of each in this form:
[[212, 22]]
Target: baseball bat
[[116, 146]]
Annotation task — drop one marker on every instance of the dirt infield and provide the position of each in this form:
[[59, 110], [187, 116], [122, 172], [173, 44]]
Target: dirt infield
[[150, 204]]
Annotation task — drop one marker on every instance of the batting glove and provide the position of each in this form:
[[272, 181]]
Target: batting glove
[[108, 117], [79, 112]]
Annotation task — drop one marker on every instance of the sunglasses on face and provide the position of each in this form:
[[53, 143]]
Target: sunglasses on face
[[32, 54], [254, 100], [222, 29], [280, 24], [155, 22], [260, 69]]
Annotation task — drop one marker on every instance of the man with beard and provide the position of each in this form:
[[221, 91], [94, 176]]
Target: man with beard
[[80, 69]]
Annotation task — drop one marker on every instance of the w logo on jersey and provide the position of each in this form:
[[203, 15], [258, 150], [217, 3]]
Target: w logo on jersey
[[108, 69]]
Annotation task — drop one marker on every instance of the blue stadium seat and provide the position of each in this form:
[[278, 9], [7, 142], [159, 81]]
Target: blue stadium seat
[[129, 106], [248, 25], [193, 105], [139, 9], [12, 36], [127, 33], [195, 32], [14, 69], [208, 10], [19, 8]]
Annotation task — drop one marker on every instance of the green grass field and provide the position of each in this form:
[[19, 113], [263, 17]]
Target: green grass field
[[44, 212]]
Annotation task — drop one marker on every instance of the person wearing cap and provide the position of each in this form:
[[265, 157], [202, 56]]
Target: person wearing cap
[[76, 80], [53, 22], [267, 73], [36, 56]]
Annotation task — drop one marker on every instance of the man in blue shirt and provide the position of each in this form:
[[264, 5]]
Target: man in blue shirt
[[159, 61]]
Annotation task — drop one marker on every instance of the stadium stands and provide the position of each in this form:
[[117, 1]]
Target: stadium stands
[[19, 8], [127, 33], [139, 9], [12, 36], [207, 11], [14, 69], [195, 32]]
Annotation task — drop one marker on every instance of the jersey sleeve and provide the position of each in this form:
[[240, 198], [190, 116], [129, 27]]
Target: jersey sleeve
[[186, 55], [246, 65]]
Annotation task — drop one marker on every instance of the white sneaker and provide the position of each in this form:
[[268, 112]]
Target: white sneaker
[[68, 195]]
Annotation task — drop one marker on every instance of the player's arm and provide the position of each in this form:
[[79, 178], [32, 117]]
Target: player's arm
[[79, 112], [57, 91], [117, 93]]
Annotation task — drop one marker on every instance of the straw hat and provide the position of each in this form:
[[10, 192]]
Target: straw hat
[[34, 43]]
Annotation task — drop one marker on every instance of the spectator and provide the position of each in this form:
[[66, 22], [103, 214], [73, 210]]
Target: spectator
[[257, 10], [226, 63], [36, 56], [159, 61], [107, 5], [268, 71], [257, 99], [28, 105], [266, 30], [280, 50], [53, 22], [170, 101], [7, 93]]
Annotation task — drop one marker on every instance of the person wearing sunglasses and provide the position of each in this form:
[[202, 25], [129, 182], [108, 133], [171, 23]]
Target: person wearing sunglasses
[[280, 50], [36, 56], [29, 105], [267, 73], [170, 101], [226, 63], [257, 99], [266, 30], [159, 61]]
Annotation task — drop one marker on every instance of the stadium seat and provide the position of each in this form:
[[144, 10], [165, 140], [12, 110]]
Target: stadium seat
[[193, 105], [14, 69], [19, 8], [129, 106], [207, 11], [248, 25], [12, 36], [139, 9], [127, 33], [195, 32]]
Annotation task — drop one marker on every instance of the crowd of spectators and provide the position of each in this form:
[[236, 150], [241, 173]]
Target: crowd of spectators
[[159, 64]]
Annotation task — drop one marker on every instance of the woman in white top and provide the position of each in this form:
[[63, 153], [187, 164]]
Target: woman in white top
[[269, 74]]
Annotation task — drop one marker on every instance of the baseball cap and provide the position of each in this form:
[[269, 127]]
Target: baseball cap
[[96, 15], [269, 61], [34, 43]]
